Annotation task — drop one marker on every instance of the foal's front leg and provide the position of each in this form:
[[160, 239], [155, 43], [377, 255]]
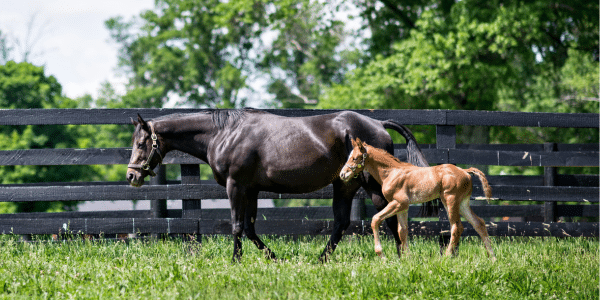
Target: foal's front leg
[[391, 209]]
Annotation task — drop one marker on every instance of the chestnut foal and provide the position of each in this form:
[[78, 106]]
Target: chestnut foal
[[403, 184]]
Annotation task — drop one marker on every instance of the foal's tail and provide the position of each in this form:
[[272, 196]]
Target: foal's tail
[[417, 158], [487, 190]]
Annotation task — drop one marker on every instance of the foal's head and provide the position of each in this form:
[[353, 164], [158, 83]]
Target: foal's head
[[356, 161], [145, 153]]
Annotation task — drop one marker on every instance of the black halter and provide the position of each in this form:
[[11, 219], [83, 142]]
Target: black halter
[[146, 165]]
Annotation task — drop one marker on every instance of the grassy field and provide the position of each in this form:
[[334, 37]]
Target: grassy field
[[527, 268]]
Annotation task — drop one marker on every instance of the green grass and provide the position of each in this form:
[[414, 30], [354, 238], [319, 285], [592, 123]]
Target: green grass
[[527, 268]]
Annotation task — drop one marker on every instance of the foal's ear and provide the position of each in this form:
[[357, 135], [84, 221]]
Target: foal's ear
[[134, 122], [360, 145]]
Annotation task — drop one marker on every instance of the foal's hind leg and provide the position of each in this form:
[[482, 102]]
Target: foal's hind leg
[[403, 229], [456, 226], [478, 224]]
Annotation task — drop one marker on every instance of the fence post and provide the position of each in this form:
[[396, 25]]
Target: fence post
[[549, 177], [358, 209], [191, 209], [158, 208], [445, 139]]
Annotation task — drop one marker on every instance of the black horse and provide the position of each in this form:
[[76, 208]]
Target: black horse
[[251, 150]]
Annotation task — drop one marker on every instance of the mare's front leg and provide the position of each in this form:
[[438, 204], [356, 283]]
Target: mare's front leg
[[250, 218], [237, 200], [342, 204]]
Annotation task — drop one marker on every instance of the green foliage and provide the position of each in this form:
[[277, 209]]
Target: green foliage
[[23, 85], [527, 268], [196, 49], [474, 55]]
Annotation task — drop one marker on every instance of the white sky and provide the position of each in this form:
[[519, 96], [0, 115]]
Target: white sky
[[75, 45]]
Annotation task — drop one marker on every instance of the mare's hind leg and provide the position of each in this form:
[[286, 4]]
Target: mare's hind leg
[[250, 218], [478, 224], [373, 189], [237, 200], [456, 226]]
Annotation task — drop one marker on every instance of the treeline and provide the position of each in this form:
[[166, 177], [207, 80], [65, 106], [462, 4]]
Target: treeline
[[485, 55]]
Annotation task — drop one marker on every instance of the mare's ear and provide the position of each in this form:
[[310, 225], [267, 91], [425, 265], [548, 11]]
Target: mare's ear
[[143, 123], [134, 122]]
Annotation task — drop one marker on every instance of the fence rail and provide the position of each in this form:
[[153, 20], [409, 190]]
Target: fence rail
[[539, 197]]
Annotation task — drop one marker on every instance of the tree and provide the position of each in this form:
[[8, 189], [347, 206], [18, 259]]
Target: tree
[[23, 85], [501, 55], [196, 49]]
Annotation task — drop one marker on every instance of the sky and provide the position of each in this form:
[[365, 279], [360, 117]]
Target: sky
[[74, 45]]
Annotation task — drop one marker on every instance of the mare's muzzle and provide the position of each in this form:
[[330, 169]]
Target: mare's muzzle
[[145, 165]]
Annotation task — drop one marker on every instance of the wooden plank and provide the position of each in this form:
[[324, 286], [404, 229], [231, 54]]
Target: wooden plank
[[522, 119], [209, 191], [407, 117], [526, 180], [540, 193], [312, 213], [514, 158], [277, 227], [312, 227], [98, 226], [560, 180], [511, 147], [119, 214], [590, 211], [111, 156], [483, 211]]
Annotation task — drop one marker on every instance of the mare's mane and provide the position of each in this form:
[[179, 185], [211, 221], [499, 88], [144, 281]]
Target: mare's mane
[[221, 117]]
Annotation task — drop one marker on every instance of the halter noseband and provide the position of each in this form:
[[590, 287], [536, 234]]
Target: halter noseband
[[146, 165], [353, 168]]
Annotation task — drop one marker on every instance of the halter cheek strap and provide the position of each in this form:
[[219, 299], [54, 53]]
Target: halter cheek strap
[[353, 168], [146, 165]]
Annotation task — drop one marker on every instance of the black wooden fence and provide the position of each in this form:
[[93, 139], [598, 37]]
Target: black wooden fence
[[552, 190]]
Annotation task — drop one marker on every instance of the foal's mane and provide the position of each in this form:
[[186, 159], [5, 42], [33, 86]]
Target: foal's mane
[[386, 155]]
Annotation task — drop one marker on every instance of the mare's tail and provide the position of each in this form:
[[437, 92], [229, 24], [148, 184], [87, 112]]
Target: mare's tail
[[487, 190], [415, 157]]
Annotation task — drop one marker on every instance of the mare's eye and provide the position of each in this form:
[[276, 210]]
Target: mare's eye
[[141, 145]]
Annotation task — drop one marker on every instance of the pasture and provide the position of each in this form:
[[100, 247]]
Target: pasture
[[527, 268]]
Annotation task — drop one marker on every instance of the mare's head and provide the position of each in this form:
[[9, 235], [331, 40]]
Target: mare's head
[[356, 161], [146, 152]]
